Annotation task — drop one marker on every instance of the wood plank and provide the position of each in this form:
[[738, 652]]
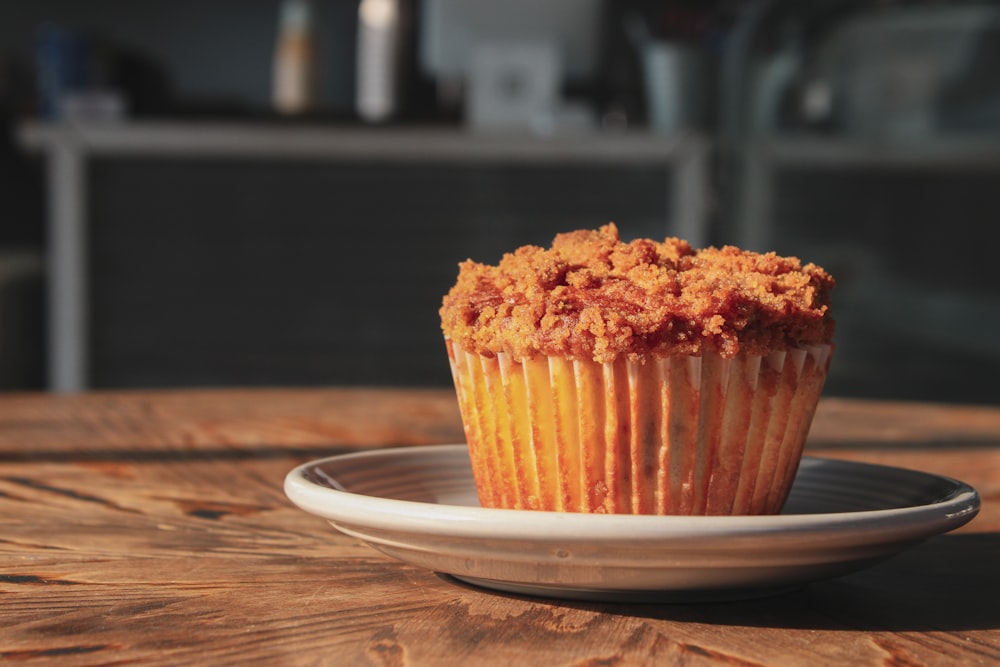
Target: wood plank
[[246, 419], [167, 548]]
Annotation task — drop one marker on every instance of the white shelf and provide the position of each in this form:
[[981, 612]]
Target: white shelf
[[936, 152], [428, 144]]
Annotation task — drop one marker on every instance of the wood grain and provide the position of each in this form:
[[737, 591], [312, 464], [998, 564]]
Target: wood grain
[[150, 528]]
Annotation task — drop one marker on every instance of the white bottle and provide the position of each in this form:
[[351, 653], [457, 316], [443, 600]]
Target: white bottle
[[294, 59], [380, 34]]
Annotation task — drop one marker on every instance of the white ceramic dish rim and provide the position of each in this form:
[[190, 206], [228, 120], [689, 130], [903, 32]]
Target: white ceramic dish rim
[[460, 521]]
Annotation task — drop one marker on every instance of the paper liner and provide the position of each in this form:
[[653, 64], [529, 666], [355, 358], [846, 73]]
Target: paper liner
[[673, 435]]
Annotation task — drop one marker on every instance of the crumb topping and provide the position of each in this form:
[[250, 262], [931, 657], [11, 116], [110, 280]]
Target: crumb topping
[[592, 296]]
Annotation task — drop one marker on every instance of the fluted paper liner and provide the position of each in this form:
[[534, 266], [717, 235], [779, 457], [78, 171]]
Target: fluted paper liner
[[671, 435]]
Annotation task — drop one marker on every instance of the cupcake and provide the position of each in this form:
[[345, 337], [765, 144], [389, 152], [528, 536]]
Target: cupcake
[[637, 378]]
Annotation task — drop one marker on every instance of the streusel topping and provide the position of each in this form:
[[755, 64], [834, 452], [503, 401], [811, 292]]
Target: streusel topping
[[592, 296]]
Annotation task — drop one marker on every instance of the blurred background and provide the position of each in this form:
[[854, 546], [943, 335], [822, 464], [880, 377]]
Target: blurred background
[[278, 192]]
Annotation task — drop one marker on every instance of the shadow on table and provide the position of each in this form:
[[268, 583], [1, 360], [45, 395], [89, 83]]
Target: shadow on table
[[949, 583]]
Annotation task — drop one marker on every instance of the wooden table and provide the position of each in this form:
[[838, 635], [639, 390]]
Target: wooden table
[[151, 528]]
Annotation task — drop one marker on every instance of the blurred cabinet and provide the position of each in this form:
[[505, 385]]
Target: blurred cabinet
[[865, 136], [220, 254], [909, 230]]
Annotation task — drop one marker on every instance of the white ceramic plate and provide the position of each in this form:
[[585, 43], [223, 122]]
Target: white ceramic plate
[[419, 504]]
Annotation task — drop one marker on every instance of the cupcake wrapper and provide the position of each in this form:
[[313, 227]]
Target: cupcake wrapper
[[672, 435]]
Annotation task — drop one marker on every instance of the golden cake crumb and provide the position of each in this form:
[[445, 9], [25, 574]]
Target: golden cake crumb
[[591, 296]]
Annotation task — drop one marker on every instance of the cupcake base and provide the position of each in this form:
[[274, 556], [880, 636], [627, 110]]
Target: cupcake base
[[674, 435]]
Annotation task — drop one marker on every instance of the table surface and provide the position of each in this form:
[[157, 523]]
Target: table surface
[[151, 528]]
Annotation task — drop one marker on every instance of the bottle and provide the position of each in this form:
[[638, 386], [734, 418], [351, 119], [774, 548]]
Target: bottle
[[294, 59], [380, 33]]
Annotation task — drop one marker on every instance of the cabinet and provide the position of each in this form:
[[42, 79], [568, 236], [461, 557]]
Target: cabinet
[[227, 254], [908, 228]]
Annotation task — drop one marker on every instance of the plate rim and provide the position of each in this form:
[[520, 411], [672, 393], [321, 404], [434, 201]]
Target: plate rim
[[431, 518]]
